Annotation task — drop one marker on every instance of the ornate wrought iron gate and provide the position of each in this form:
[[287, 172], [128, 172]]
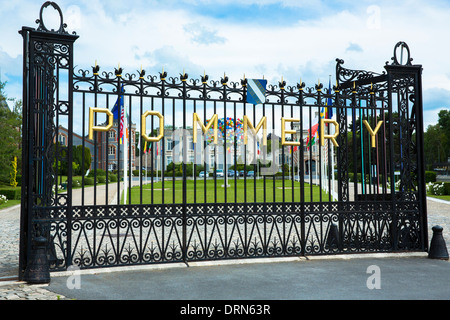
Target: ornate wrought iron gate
[[372, 200]]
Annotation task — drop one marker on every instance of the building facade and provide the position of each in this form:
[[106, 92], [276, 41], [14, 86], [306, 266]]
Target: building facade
[[110, 153]]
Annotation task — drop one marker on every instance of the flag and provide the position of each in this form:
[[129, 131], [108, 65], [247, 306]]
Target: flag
[[258, 146], [121, 124], [118, 106], [157, 148], [313, 129], [329, 103], [323, 112], [312, 132], [145, 146], [118, 112], [256, 91]]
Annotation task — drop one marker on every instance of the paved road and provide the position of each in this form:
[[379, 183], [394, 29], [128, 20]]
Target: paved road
[[400, 277], [343, 277]]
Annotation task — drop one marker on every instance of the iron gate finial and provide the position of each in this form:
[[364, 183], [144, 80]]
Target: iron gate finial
[[398, 61], [43, 27]]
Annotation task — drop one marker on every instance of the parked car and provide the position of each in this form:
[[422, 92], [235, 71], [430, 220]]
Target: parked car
[[250, 173], [230, 173], [219, 173], [202, 174], [241, 173]]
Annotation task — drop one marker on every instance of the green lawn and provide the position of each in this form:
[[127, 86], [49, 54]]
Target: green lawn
[[79, 179], [8, 204], [447, 197], [244, 192]]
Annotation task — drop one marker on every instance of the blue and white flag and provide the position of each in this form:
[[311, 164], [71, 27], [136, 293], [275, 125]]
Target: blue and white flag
[[256, 91]]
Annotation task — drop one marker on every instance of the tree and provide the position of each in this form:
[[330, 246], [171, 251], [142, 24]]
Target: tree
[[434, 142], [10, 135], [77, 155], [444, 124]]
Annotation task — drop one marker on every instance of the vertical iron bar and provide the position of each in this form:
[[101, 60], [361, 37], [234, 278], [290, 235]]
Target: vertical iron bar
[[311, 156], [83, 144], [319, 105], [173, 155], [69, 190], [141, 158], [355, 156], [25, 217], [215, 165], [418, 105], [154, 145], [392, 164], [130, 147], [184, 249], [284, 213], [302, 174], [225, 171]]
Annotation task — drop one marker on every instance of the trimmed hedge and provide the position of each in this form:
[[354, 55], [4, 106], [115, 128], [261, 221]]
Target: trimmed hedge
[[430, 176], [11, 193], [438, 188], [447, 188], [89, 181], [98, 172], [101, 179]]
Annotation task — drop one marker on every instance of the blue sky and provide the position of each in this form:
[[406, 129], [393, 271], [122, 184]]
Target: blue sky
[[292, 39]]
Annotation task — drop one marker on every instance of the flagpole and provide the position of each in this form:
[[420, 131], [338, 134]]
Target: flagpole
[[333, 188], [125, 160], [146, 167], [257, 161], [157, 162], [140, 159]]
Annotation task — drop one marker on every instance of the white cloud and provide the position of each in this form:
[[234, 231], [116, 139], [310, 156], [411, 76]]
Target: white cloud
[[202, 35]]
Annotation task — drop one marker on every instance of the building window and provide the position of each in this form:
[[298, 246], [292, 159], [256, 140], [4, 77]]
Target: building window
[[112, 150], [62, 139], [112, 134], [169, 144]]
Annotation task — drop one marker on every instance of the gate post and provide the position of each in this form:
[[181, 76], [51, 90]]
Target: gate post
[[405, 84], [45, 53]]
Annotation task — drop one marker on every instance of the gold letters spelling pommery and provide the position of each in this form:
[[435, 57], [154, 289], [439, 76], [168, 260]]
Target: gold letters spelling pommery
[[213, 122]]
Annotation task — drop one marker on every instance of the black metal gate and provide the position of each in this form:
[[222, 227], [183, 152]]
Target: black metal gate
[[361, 189]]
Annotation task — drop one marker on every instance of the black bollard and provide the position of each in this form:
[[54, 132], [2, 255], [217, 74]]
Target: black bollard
[[38, 270], [438, 249], [333, 237]]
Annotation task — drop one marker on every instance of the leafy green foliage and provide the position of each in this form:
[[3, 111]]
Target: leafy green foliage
[[10, 135]]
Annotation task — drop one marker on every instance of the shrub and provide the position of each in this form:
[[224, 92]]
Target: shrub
[[436, 189], [76, 183], [112, 177], [430, 176], [447, 188], [11, 193], [101, 179], [98, 172], [3, 199], [89, 181]]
